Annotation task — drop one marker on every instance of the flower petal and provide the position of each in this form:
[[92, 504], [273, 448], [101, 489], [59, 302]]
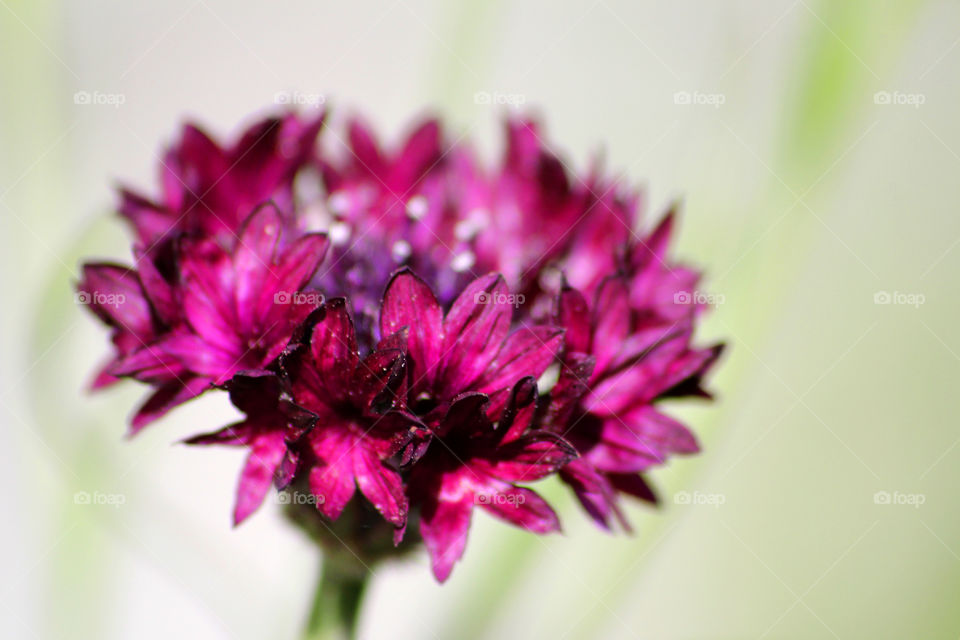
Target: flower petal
[[208, 302], [519, 506], [445, 522], [573, 314], [409, 302], [611, 312], [381, 485], [473, 331], [528, 458], [266, 453], [253, 260], [528, 351], [116, 295], [332, 480], [166, 398], [592, 489], [333, 354]]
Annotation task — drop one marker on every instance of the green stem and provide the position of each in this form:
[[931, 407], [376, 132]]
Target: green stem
[[336, 603]]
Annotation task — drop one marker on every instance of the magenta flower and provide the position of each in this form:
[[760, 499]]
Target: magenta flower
[[380, 374], [241, 305], [140, 306], [478, 462], [362, 418], [471, 347], [625, 352], [272, 421], [209, 190]]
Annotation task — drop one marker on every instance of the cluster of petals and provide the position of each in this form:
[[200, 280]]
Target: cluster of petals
[[405, 325]]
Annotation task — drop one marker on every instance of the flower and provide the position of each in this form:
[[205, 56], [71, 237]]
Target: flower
[[624, 353], [455, 331], [242, 304], [209, 189], [479, 463], [272, 421], [362, 419], [140, 306], [471, 347]]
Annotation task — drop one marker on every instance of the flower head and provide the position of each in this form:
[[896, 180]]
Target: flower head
[[455, 332]]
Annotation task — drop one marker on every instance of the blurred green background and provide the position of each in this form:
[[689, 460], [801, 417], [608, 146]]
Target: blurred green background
[[815, 145]]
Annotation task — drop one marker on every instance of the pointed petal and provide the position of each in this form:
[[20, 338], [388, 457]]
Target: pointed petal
[[381, 485], [530, 457], [333, 354], [253, 259], [149, 220], [519, 506], [364, 148], [519, 411], [379, 381], [116, 295], [198, 356], [592, 489], [266, 454], [573, 314], [419, 154], [669, 435], [255, 393], [166, 398], [151, 361], [634, 484], [575, 373], [234, 435], [611, 320], [659, 368], [625, 448], [466, 416], [283, 301], [528, 351], [409, 302], [332, 479], [474, 330], [656, 244], [207, 301], [445, 522], [161, 293]]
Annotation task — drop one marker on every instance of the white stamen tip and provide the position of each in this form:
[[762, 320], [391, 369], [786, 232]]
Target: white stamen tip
[[417, 207], [551, 279], [401, 250], [338, 203], [339, 233], [465, 230], [463, 261]]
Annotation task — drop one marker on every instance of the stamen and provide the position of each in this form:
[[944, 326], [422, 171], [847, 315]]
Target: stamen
[[417, 207]]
